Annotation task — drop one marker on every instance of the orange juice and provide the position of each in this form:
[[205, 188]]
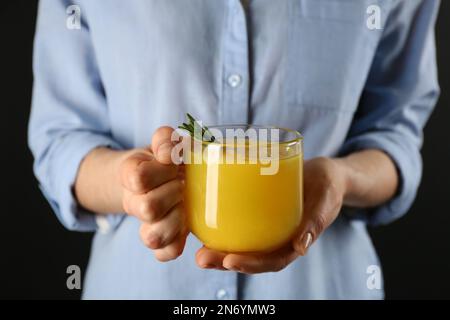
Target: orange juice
[[232, 207]]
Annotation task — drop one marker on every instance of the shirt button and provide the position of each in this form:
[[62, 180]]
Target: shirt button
[[221, 294], [234, 80], [103, 224]]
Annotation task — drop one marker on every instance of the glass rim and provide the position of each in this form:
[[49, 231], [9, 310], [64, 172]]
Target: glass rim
[[297, 139]]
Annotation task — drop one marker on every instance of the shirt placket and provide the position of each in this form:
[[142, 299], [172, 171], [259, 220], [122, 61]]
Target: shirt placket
[[235, 101], [236, 77]]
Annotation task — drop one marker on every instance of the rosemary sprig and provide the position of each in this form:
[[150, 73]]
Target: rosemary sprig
[[196, 130]]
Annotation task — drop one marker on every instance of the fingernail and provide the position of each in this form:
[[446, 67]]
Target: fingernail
[[234, 268], [306, 242], [208, 266]]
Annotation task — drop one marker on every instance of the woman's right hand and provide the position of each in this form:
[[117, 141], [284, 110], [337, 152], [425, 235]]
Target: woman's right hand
[[152, 191]]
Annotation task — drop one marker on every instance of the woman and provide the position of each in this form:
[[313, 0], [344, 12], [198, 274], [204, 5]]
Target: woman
[[360, 95]]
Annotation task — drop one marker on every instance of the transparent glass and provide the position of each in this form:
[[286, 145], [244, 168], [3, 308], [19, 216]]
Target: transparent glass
[[243, 198]]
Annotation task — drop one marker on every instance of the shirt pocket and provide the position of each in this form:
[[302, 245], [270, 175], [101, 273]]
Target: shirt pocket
[[330, 51]]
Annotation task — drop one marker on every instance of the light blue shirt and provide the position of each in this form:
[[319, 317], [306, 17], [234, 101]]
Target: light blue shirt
[[316, 66]]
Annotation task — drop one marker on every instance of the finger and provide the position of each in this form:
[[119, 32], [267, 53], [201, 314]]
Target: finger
[[309, 231], [315, 221], [141, 173], [174, 249], [162, 144], [258, 263], [181, 172], [160, 234], [152, 206], [210, 259]]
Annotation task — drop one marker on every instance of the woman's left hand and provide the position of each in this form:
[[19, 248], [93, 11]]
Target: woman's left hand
[[325, 184]]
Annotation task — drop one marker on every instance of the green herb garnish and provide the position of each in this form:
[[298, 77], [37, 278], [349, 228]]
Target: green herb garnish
[[196, 130]]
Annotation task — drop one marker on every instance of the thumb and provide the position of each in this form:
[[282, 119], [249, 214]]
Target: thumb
[[162, 145], [311, 227]]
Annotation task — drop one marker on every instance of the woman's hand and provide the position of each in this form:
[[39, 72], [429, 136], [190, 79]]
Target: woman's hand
[[325, 186], [143, 183], [153, 192]]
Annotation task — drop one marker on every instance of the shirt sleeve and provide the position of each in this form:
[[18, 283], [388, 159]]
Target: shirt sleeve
[[399, 96], [69, 114]]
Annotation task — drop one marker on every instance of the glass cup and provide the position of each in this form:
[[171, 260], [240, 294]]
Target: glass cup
[[244, 191]]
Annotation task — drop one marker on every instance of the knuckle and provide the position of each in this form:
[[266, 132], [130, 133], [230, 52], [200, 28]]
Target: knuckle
[[144, 208], [136, 179], [327, 182], [320, 224], [150, 208], [152, 239], [326, 174], [154, 204]]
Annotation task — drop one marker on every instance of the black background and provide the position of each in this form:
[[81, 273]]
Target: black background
[[35, 249]]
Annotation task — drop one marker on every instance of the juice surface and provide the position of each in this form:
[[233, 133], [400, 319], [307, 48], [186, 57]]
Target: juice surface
[[233, 208]]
